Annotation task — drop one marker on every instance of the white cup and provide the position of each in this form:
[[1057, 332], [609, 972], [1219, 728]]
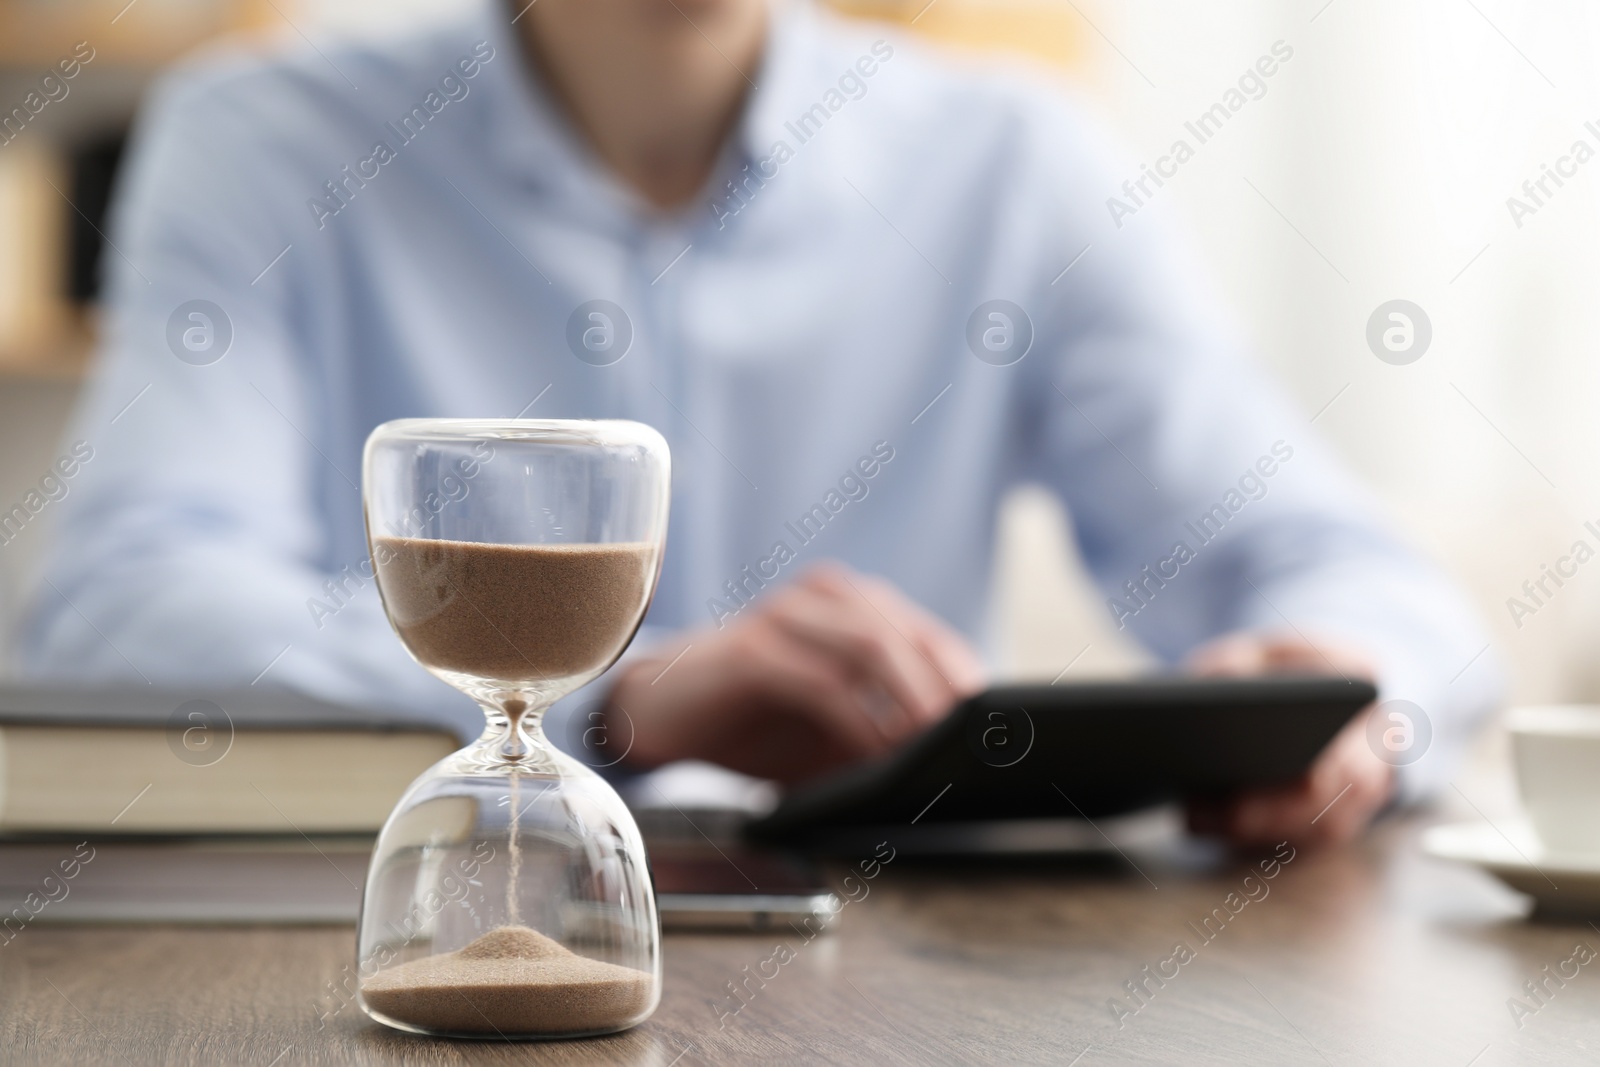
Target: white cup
[[1556, 750]]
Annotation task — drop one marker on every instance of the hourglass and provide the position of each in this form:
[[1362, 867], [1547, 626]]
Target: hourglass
[[508, 894]]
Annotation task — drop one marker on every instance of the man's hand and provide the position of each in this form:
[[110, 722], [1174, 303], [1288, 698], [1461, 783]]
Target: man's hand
[[1345, 787], [832, 668]]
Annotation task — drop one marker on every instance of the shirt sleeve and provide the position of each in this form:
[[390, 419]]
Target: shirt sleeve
[[1203, 501], [193, 544]]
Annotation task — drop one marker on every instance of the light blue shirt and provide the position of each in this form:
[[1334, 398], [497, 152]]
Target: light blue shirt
[[903, 295]]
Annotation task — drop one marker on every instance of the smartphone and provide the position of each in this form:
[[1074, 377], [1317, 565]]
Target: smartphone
[[740, 889]]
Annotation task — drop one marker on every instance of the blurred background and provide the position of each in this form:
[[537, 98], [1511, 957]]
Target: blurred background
[[1376, 166]]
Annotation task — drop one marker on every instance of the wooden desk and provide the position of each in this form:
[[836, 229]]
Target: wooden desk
[[1367, 955]]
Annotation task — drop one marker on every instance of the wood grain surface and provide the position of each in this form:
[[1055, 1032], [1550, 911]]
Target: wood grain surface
[[1369, 954]]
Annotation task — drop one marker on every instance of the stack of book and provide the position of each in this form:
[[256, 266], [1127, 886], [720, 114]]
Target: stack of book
[[255, 806]]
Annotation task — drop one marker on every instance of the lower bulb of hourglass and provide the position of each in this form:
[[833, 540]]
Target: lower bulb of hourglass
[[510, 905]]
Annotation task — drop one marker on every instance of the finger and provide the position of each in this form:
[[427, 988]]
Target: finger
[[1336, 818], [812, 683], [1232, 656], [1292, 810], [1252, 817], [750, 698], [806, 611], [1332, 802], [1244, 654], [947, 653], [958, 660], [854, 633], [1320, 657]]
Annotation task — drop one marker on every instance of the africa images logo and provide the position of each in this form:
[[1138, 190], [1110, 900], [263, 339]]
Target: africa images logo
[[599, 332], [199, 333], [999, 333]]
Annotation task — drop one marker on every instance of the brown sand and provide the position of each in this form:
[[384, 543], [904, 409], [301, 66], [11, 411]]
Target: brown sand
[[514, 860], [517, 613], [511, 981]]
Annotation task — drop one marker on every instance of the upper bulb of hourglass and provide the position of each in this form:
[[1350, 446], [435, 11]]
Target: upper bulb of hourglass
[[515, 625]]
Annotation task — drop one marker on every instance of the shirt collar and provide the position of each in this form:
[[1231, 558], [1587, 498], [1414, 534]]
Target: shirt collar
[[785, 78], [529, 136], [534, 142]]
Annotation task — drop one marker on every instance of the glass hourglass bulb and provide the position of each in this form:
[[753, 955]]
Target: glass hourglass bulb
[[508, 893]]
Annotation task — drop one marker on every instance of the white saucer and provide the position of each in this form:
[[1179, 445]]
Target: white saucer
[[1560, 883]]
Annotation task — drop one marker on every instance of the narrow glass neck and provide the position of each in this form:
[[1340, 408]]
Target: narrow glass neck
[[513, 735]]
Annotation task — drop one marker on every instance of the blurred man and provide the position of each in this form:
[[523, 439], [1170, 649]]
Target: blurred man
[[861, 290]]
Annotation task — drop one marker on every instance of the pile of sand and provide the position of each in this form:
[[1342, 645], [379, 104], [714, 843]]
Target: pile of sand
[[512, 981]]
